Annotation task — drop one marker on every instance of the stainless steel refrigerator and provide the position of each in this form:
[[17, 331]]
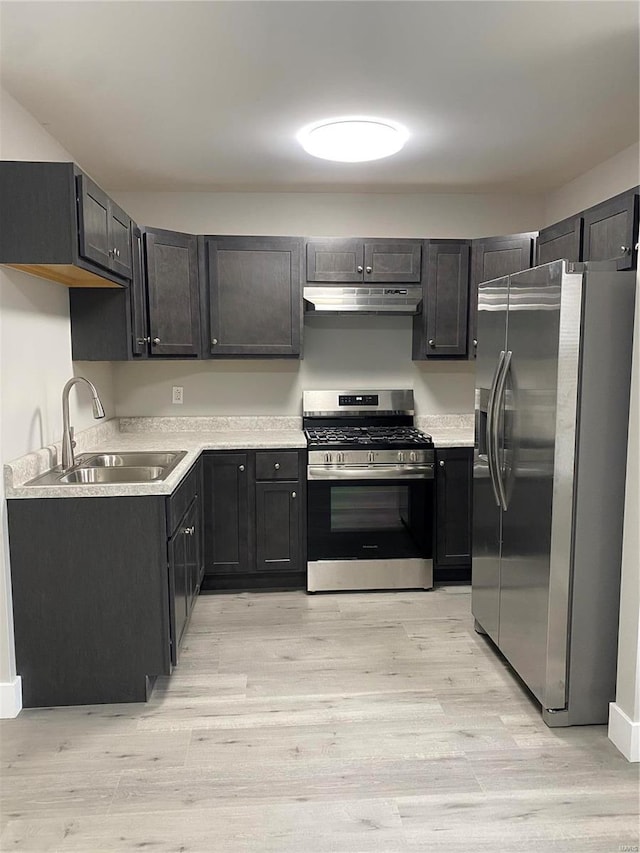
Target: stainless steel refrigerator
[[553, 377]]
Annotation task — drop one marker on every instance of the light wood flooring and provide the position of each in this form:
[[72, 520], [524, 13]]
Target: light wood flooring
[[300, 724]]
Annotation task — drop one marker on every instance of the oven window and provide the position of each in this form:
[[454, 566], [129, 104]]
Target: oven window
[[368, 508]]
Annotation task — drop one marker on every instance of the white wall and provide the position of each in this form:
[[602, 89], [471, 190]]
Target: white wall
[[613, 176], [35, 359], [360, 351]]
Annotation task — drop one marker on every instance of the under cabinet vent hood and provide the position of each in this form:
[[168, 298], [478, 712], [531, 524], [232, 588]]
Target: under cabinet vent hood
[[392, 299]]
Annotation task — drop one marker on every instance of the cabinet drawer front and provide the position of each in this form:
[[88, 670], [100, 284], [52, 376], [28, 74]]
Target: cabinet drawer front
[[178, 502], [277, 465]]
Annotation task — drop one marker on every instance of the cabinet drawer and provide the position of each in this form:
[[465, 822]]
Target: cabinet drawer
[[178, 502], [277, 465]]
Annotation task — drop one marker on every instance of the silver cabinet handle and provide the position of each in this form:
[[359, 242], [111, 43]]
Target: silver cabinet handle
[[442, 463], [293, 494], [359, 268], [214, 342], [432, 343], [156, 341], [240, 467], [369, 269], [277, 466]]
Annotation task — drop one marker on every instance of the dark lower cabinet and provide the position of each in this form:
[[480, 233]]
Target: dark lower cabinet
[[184, 573], [440, 330], [254, 511], [102, 595], [454, 485]]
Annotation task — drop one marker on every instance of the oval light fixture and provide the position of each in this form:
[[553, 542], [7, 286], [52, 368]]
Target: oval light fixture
[[353, 139]]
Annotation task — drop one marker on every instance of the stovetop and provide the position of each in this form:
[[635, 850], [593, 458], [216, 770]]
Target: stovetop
[[381, 437]]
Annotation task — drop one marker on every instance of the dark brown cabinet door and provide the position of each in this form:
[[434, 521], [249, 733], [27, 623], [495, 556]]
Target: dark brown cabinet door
[[440, 331], [120, 240], [173, 292], [494, 257], [386, 261], [192, 553], [277, 526], [610, 230], [561, 240], [453, 506], [335, 261], [93, 222], [255, 301], [178, 594], [227, 525]]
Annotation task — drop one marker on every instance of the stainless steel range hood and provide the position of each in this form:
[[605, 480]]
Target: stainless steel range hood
[[334, 299]]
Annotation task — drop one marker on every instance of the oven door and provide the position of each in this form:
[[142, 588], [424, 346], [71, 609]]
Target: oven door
[[370, 533]]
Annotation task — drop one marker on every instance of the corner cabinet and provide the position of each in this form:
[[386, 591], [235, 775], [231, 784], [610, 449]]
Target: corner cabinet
[[254, 513], [253, 295], [358, 260], [454, 487], [56, 223], [440, 330], [494, 257]]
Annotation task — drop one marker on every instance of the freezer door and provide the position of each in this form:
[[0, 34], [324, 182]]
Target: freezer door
[[492, 330], [528, 414]]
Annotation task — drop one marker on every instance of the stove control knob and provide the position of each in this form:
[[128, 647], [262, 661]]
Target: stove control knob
[[413, 456], [340, 457], [372, 456], [400, 456], [327, 458]]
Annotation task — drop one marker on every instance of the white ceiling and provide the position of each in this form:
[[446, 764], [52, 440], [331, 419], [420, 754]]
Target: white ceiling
[[182, 95]]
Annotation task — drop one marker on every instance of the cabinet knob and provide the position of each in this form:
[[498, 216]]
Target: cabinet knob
[[277, 466], [189, 531], [214, 342], [442, 463], [626, 250], [156, 341], [293, 494], [369, 269], [240, 467], [432, 343], [475, 342], [141, 341], [359, 268]]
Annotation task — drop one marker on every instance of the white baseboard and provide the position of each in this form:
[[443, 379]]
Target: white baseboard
[[10, 698], [624, 733]]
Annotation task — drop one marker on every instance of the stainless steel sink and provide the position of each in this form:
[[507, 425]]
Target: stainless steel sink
[[138, 466], [131, 459], [137, 474]]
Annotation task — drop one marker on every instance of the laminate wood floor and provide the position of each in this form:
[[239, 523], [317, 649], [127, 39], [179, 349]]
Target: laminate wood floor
[[300, 724]]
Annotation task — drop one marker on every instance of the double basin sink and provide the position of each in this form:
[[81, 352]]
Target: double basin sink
[[140, 466]]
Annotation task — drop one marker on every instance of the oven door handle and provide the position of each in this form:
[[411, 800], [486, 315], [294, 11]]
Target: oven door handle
[[370, 472]]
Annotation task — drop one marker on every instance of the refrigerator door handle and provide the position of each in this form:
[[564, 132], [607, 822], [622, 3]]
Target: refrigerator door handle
[[491, 443], [501, 386]]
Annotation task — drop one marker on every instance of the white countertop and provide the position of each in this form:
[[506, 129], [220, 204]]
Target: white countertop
[[193, 435]]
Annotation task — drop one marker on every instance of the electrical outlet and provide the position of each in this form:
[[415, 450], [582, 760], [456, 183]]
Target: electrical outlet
[[177, 392]]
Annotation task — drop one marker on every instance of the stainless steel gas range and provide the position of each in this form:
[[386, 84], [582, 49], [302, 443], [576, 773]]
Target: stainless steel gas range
[[370, 492]]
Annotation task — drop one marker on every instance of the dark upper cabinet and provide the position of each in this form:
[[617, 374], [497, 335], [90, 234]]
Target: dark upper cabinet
[[56, 223], [454, 482], [171, 260], [357, 260], [227, 527], [104, 229], [494, 257], [610, 230], [157, 316], [254, 296], [561, 240], [440, 330]]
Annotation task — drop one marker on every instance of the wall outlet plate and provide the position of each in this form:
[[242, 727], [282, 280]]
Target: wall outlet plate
[[177, 394]]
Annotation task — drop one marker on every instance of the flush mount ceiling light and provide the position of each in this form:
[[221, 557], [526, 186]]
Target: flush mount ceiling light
[[353, 139]]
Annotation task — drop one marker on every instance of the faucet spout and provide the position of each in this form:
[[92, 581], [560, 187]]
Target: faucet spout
[[68, 459]]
